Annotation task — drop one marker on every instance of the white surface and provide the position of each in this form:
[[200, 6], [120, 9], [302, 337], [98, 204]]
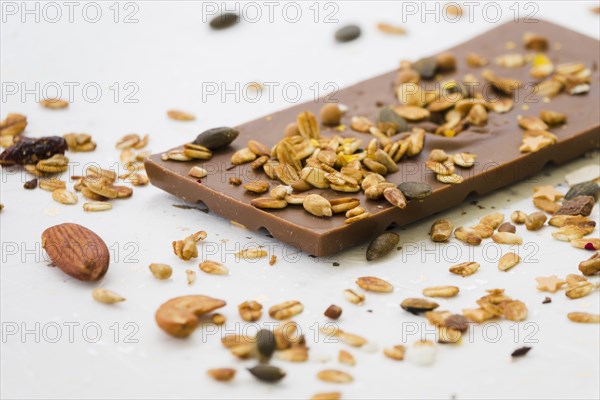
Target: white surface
[[168, 54]]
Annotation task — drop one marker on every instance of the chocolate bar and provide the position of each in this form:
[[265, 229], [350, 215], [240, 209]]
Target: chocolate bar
[[499, 161]]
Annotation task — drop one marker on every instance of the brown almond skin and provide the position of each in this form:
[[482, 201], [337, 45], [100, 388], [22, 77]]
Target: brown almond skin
[[77, 251]]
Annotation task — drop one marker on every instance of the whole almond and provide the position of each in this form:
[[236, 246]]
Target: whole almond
[[77, 251]]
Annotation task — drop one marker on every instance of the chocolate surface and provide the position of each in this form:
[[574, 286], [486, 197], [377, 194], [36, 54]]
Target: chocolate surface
[[499, 161]]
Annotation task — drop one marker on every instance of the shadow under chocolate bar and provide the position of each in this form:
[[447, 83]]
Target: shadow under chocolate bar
[[499, 161]]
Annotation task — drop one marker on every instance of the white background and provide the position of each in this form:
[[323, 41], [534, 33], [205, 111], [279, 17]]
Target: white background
[[167, 55]]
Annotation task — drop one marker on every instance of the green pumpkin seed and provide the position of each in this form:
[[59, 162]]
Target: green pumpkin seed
[[389, 118], [417, 306], [347, 33], [265, 343], [583, 189], [426, 67], [216, 138], [382, 245], [267, 373], [415, 190], [224, 21]]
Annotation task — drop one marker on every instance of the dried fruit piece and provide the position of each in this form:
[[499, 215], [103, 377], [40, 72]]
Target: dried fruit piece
[[77, 251], [31, 151], [179, 316], [333, 312], [579, 205], [589, 188], [161, 271], [373, 284], [286, 310], [508, 261], [465, 269], [222, 374], [106, 296]]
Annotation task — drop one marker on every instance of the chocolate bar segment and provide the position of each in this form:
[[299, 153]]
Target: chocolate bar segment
[[499, 161]]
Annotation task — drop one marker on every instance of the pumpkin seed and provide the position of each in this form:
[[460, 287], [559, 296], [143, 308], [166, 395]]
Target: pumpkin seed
[[265, 343], [216, 138], [224, 21], [267, 373], [415, 190], [382, 245], [391, 119], [590, 188], [373, 284], [417, 306], [347, 33], [465, 269], [426, 67]]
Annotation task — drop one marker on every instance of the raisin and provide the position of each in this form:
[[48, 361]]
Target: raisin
[[31, 150]]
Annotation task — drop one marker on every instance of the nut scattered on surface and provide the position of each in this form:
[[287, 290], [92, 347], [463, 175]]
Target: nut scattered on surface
[[180, 115], [373, 284], [222, 374], [395, 353], [106, 296], [584, 317], [465, 269], [334, 376], [213, 267], [179, 316], [250, 310], [333, 312], [508, 261], [518, 217], [346, 357], [441, 291], [441, 230], [354, 296], [286, 310], [161, 271]]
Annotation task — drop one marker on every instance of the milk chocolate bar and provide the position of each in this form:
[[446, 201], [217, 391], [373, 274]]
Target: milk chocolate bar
[[499, 161]]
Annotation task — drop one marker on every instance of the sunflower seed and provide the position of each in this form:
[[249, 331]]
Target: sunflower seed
[[222, 374], [465, 269], [265, 343], [584, 317], [63, 196], [161, 271], [286, 310], [507, 238], [373, 284], [590, 188], [214, 268], [334, 376], [106, 296], [441, 291], [508, 261], [252, 253], [353, 296]]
